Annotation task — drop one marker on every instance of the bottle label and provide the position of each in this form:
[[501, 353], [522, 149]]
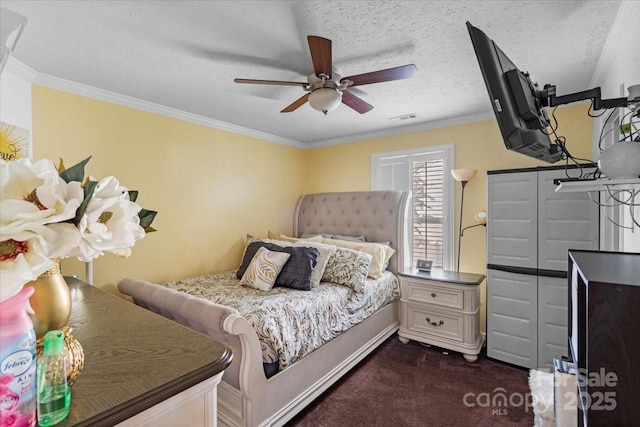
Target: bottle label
[[18, 382], [17, 363]]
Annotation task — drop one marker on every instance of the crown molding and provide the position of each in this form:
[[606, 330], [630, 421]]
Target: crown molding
[[127, 101], [19, 69], [628, 15], [27, 73], [463, 120]]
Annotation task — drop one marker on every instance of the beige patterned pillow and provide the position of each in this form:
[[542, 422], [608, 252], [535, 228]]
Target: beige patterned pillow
[[348, 267], [379, 252], [264, 269]]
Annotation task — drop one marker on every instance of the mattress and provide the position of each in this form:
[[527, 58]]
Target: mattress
[[289, 323]]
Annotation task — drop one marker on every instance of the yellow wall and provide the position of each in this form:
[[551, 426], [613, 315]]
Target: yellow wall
[[210, 187]]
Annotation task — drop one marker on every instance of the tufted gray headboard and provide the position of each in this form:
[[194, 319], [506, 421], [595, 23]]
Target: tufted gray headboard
[[380, 216]]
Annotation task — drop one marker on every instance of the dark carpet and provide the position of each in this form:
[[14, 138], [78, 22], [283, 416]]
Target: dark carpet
[[413, 385]]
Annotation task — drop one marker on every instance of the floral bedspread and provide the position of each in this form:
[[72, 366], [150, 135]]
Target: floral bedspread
[[290, 323]]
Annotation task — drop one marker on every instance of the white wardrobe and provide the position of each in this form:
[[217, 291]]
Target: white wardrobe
[[530, 229]]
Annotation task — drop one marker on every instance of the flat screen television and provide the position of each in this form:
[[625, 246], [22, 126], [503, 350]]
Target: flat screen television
[[517, 103]]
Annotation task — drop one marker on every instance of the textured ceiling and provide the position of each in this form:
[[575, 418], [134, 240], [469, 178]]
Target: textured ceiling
[[185, 54]]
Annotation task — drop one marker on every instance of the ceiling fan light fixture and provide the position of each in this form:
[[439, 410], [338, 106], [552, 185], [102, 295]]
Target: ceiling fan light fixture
[[325, 99]]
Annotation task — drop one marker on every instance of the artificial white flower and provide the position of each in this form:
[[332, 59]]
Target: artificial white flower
[[33, 195], [23, 258], [66, 241], [48, 214], [110, 222]]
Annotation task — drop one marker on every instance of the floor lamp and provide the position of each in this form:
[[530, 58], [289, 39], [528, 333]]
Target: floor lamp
[[462, 176]]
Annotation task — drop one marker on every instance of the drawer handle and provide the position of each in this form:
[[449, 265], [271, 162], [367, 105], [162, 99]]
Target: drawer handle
[[440, 323], [433, 294]]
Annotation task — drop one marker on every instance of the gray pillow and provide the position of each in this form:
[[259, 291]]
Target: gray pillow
[[335, 236], [296, 273]]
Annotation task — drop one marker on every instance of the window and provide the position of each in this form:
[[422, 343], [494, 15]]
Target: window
[[426, 172]]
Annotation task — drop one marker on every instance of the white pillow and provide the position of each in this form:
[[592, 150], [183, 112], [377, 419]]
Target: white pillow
[[380, 254], [274, 236], [264, 269]]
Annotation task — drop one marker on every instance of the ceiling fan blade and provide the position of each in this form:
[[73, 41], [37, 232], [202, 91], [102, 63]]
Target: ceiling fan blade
[[350, 100], [396, 73], [296, 104], [320, 49], [270, 82]]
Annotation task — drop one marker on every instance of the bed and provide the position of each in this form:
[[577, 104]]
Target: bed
[[246, 396]]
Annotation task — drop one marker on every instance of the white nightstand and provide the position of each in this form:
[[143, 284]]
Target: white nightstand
[[441, 308]]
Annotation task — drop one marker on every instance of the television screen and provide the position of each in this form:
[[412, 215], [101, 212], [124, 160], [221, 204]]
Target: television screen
[[516, 102]]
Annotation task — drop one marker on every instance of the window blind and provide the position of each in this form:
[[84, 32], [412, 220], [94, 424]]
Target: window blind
[[427, 174]]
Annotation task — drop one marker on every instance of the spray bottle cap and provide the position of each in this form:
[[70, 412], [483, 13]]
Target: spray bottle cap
[[53, 342]]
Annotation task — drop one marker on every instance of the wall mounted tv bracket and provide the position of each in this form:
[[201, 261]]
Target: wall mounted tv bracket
[[549, 98]]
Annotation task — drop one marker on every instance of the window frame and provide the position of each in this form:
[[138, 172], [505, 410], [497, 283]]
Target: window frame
[[447, 154]]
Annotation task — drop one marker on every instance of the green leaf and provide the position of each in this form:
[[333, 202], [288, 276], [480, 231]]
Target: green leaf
[[149, 230], [146, 217], [89, 189], [75, 172], [133, 195]]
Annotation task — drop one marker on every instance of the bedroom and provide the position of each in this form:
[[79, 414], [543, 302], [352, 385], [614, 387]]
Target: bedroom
[[208, 190]]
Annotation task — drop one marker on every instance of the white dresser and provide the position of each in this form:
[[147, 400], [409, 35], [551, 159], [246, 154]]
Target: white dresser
[[441, 308]]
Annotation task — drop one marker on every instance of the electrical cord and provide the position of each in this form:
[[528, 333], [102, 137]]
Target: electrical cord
[[604, 125], [591, 109]]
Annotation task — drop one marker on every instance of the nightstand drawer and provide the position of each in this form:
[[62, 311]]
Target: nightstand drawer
[[432, 294], [436, 323]]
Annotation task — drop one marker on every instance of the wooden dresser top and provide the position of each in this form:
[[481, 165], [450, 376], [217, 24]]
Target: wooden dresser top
[[133, 358], [621, 268]]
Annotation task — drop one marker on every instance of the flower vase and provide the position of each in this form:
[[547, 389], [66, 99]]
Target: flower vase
[[51, 301]]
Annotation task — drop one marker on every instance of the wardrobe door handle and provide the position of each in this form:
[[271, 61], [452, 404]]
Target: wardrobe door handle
[[440, 323]]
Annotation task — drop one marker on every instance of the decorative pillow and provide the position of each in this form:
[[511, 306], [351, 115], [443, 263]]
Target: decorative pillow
[[323, 258], [377, 251], [314, 238], [348, 267], [264, 269], [298, 271], [388, 253]]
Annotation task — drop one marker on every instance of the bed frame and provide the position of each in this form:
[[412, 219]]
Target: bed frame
[[245, 396]]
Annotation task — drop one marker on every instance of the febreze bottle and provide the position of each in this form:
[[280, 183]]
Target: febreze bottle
[[18, 399]]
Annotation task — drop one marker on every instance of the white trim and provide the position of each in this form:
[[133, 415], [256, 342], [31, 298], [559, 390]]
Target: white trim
[[463, 120], [626, 18], [127, 101], [20, 70]]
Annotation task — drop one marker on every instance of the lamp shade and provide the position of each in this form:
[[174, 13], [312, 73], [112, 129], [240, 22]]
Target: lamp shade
[[480, 217], [325, 99], [463, 175]]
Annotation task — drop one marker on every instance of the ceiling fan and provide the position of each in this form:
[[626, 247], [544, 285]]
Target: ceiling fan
[[326, 89]]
